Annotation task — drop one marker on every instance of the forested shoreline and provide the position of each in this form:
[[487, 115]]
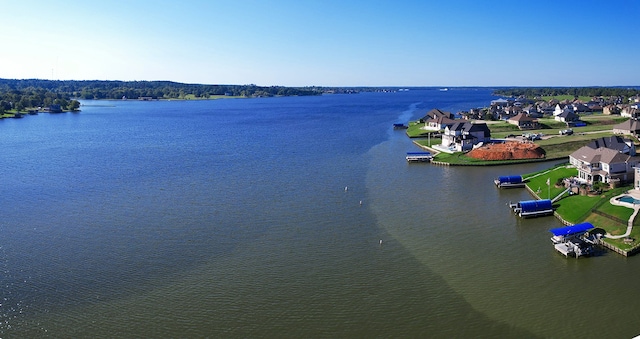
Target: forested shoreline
[[20, 95], [532, 92], [23, 94]]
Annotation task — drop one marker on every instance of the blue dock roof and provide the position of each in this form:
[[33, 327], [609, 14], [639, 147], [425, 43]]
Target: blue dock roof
[[583, 227], [536, 205], [514, 179]]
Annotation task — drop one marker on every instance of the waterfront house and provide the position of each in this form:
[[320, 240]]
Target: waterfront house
[[462, 136], [438, 123], [605, 160], [437, 113], [523, 121], [614, 142]]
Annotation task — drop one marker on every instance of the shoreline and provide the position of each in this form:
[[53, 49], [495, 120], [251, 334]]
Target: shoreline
[[485, 163], [617, 249]]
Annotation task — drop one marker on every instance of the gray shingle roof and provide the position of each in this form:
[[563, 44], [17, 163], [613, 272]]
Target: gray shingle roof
[[615, 142]]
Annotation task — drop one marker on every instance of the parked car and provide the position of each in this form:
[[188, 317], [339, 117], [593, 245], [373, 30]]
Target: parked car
[[567, 131]]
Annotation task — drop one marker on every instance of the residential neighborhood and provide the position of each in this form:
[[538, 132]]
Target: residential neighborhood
[[466, 130], [566, 110], [599, 138]]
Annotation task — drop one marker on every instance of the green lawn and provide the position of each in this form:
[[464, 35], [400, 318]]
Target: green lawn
[[537, 182], [562, 146], [572, 208], [415, 130], [579, 208], [460, 158]]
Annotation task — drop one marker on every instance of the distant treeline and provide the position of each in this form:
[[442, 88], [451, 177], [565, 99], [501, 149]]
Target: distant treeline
[[21, 94], [532, 92]]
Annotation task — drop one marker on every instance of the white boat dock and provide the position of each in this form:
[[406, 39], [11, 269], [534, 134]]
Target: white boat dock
[[571, 240], [419, 156]]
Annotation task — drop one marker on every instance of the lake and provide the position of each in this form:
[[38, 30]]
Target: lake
[[264, 218]]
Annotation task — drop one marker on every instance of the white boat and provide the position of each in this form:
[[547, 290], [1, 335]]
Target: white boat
[[572, 240]]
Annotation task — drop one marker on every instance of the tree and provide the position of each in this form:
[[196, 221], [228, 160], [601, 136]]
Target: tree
[[74, 105], [19, 106], [4, 106]]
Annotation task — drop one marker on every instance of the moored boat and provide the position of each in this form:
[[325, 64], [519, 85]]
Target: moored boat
[[573, 240]]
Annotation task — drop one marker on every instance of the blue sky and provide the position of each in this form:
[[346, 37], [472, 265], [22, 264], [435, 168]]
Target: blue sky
[[325, 43]]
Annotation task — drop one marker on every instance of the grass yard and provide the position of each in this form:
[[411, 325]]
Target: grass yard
[[556, 146], [459, 158], [579, 208], [575, 208], [562, 146], [564, 97], [428, 141], [415, 130], [537, 182]]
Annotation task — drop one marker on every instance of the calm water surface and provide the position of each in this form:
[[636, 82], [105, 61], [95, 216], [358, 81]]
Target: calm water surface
[[230, 218]]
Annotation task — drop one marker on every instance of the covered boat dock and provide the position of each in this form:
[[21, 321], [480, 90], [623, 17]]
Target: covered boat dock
[[560, 234], [532, 208], [419, 156], [571, 240], [509, 181]]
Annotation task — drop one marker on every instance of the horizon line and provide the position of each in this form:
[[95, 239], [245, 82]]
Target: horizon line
[[338, 86]]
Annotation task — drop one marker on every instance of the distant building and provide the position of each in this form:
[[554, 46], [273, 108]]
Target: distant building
[[437, 113], [630, 112], [610, 109], [524, 122], [439, 123], [562, 108], [567, 116], [55, 109], [629, 127], [500, 102]]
